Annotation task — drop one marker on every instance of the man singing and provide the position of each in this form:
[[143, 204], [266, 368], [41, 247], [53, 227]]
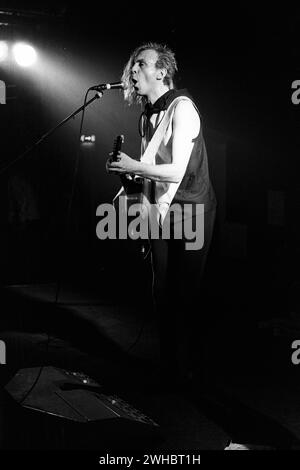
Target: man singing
[[176, 184]]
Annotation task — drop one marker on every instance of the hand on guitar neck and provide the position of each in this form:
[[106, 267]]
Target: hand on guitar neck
[[131, 183]]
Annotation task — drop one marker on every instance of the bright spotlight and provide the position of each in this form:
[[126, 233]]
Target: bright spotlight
[[3, 50], [24, 54]]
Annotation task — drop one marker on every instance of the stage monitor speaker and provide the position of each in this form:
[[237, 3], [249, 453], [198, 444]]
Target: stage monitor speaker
[[73, 397]]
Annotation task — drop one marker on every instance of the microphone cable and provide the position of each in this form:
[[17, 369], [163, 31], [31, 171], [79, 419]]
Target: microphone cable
[[144, 321]]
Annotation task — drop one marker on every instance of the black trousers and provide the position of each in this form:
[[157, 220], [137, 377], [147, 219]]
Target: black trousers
[[178, 275]]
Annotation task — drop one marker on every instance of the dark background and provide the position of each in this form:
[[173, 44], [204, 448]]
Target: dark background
[[57, 278], [238, 63]]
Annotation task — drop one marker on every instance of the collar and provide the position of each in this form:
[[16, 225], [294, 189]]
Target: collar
[[160, 105]]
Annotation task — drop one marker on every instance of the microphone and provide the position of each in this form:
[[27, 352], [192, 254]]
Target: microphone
[[107, 86]]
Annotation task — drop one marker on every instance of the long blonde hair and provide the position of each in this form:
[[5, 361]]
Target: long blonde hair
[[166, 59]]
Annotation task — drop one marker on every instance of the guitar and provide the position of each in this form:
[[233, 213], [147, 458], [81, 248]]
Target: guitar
[[132, 185], [131, 194]]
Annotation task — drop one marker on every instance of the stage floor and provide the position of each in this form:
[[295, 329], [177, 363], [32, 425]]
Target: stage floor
[[115, 343]]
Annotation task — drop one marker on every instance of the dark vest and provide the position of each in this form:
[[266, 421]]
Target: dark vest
[[196, 186]]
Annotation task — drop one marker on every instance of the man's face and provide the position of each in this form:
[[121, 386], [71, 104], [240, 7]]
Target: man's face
[[144, 73]]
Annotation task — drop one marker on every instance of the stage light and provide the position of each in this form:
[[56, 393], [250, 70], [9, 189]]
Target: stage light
[[3, 50], [24, 54]]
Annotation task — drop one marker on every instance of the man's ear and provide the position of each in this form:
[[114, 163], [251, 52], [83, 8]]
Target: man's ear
[[161, 73]]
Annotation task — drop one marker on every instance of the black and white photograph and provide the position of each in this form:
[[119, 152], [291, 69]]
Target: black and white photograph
[[150, 227]]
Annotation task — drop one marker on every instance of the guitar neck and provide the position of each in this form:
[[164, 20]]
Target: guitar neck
[[127, 180]]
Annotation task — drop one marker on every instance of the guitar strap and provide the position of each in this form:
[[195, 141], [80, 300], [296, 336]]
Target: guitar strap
[[165, 192], [153, 146]]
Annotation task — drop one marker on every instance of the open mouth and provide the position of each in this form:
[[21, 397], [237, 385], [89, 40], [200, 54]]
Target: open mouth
[[135, 84]]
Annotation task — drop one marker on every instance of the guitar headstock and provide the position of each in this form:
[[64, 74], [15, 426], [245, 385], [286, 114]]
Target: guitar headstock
[[119, 140]]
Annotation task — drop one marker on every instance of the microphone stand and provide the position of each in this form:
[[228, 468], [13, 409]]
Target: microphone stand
[[50, 132]]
